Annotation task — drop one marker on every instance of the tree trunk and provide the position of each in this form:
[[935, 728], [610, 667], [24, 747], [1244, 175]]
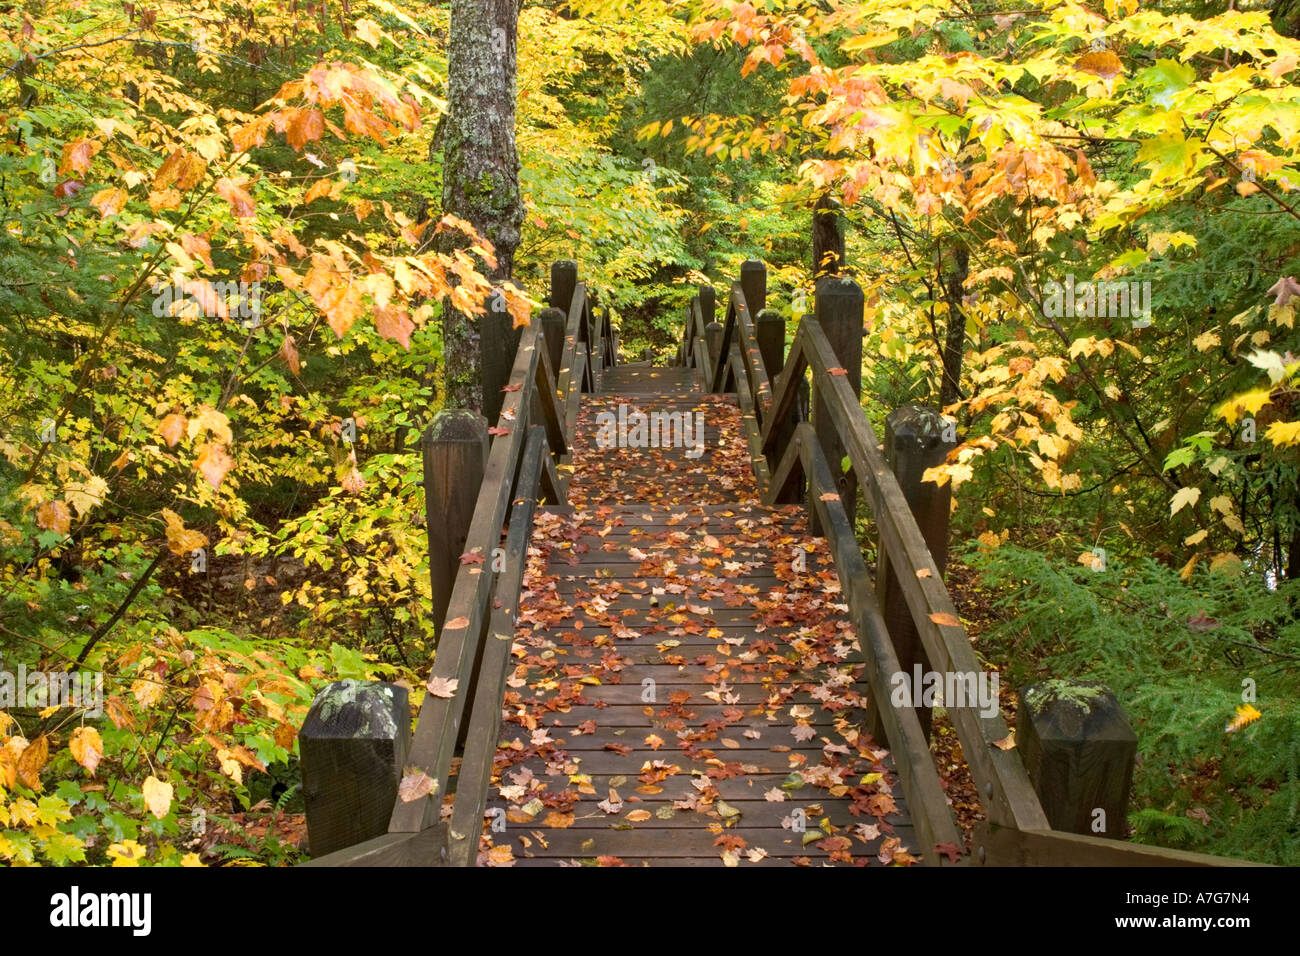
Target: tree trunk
[[1286, 17], [828, 240], [480, 164], [954, 341]]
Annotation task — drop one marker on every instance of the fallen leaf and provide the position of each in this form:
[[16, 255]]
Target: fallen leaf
[[441, 686], [416, 785]]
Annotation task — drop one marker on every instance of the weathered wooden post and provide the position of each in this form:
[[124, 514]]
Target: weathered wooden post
[[553, 322], [713, 339], [708, 302], [353, 745], [498, 344], [455, 453], [838, 310], [564, 280], [646, 355], [1079, 751], [769, 330], [753, 282], [915, 439]]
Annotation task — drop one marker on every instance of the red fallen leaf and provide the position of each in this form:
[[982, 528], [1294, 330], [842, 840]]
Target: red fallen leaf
[[513, 388], [836, 372], [731, 841], [830, 496], [951, 850], [609, 861], [68, 188], [947, 620], [471, 557], [620, 749], [456, 624], [496, 430], [1006, 743]]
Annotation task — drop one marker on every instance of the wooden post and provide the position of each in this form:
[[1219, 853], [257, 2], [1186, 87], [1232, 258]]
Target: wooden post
[[498, 344], [646, 355], [708, 303], [353, 745], [753, 282], [553, 322], [455, 454], [1079, 751], [713, 339], [838, 309], [915, 439], [564, 279], [769, 330]]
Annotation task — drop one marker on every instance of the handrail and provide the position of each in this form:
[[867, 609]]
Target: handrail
[[916, 770], [475, 775], [541, 410], [434, 742], [914, 763], [1004, 786]]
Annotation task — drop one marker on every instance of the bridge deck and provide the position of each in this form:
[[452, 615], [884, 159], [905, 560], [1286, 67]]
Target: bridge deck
[[679, 695]]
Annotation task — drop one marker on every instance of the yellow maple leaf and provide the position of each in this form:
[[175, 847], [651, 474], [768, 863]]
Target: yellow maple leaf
[[1283, 433]]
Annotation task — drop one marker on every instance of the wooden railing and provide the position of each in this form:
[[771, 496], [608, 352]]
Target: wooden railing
[[475, 625], [798, 460]]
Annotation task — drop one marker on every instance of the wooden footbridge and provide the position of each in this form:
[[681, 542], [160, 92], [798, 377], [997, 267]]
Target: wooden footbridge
[[659, 639]]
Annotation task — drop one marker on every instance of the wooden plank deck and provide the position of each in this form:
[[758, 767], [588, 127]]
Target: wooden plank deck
[[679, 694]]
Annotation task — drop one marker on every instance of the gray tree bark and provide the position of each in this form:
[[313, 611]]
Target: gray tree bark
[[480, 164]]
